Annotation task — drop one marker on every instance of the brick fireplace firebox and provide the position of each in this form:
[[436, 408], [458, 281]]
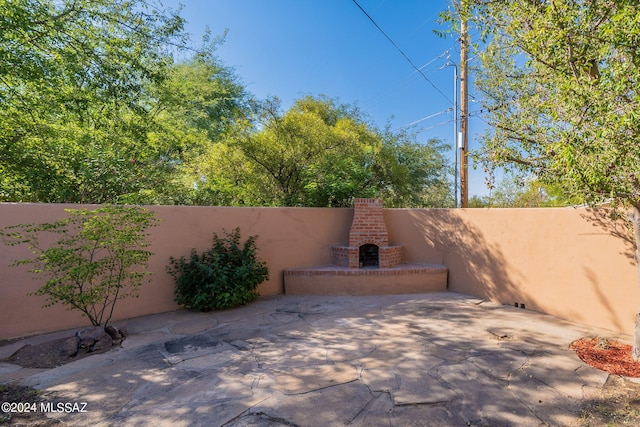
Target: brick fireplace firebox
[[368, 240]]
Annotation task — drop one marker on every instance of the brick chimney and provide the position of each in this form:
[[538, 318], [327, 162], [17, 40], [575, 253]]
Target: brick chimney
[[368, 239], [368, 224]]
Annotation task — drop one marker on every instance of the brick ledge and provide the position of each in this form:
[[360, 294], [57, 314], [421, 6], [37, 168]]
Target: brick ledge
[[335, 270]]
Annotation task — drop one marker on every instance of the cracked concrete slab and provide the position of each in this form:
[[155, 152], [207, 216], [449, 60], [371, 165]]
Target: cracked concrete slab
[[421, 389], [193, 326], [313, 378], [434, 359], [332, 406]]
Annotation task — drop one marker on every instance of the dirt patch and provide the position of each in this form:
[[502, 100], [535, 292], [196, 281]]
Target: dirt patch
[[57, 352], [14, 393], [618, 402], [48, 354]]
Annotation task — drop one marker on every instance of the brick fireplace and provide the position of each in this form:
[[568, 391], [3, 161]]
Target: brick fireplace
[[368, 240], [367, 264]]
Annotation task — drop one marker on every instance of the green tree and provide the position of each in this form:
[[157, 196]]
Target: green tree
[[560, 81], [290, 148], [74, 91], [518, 191], [98, 259], [94, 108], [190, 113], [409, 173], [322, 153]]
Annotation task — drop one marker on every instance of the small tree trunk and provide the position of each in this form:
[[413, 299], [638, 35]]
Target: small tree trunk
[[634, 217]]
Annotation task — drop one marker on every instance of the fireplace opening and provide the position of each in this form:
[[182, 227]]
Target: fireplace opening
[[369, 256]]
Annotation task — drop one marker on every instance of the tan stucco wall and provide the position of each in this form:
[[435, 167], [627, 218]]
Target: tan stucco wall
[[560, 261], [286, 238], [552, 260]]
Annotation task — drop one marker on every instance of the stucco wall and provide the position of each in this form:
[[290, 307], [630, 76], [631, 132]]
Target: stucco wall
[[552, 260], [563, 261], [286, 238]]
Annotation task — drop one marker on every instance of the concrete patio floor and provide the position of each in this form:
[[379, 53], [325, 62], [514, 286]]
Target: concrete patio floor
[[439, 359]]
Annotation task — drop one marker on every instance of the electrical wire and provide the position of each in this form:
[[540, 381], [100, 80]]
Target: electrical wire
[[373, 99], [402, 52], [446, 52], [426, 118], [477, 114]]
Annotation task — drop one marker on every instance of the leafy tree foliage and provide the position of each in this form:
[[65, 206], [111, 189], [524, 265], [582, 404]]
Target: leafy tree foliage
[[560, 81], [95, 110], [98, 259], [73, 82], [516, 191], [190, 112], [412, 174], [321, 153]]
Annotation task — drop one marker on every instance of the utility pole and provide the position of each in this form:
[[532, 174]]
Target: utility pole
[[464, 107], [456, 137], [455, 131]]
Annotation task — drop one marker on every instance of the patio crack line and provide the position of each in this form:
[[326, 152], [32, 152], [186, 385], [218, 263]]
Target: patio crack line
[[373, 398], [277, 419], [375, 347], [527, 405], [317, 389], [527, 361], [360, 369], [238, 346], [531, 409], [436, 403], [256, 357], [247, 412]]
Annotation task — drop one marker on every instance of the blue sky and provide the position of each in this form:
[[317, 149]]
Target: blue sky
[[293, 48]]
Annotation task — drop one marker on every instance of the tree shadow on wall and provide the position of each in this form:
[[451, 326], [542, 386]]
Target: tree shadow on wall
[[614, 224], [476, 266], [600, 292]]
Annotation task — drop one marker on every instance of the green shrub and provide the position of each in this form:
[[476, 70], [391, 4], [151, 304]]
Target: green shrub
[[224, 276], [99, 258]]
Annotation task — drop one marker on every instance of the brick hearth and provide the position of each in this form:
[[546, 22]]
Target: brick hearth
[[334, 280]]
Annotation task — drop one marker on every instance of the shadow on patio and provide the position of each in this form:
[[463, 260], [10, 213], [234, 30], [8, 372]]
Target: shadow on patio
[[430, 359]]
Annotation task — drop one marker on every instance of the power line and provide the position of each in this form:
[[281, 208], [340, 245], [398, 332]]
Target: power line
[[446, 52], [477, 113], [446, 122], [401, 51], [374, 99], [426, 118]]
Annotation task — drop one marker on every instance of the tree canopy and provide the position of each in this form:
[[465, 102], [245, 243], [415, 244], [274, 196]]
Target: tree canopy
[[320, 153], [74, 87], [559, 79], [518, 191], [97, 109]]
